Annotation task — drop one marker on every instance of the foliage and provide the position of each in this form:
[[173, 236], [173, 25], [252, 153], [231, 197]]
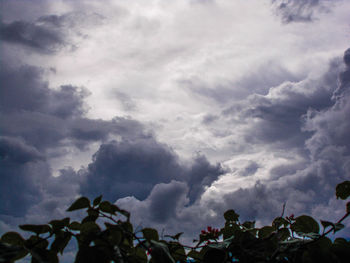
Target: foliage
[[287, 239]]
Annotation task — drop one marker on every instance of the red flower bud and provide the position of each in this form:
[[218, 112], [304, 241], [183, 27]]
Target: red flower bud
[[209, 228]]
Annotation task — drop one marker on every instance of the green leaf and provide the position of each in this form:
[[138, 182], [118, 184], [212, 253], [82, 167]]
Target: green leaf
[[265, 231], [337, 227], [283, 234], [80, 203], [10, 253], [97, 200], [160, 253], [195, 255], [279, 221], [342, 190], [249, 224], [59, 224], [179, 254], [150, 234], [326, 224], [36, 241], [89, 227], [230, 215], [106, 207], [38, 229], [74, 225], [305, 224], [139, 255], [60, 242], [12, 238]]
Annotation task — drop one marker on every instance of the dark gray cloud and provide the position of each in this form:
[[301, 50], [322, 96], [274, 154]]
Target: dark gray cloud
[[37, 121], [23, 89], [36, 37], [297, 10], [306, 186], [166, 199], [277, 118], [126, 168], [22, 170]]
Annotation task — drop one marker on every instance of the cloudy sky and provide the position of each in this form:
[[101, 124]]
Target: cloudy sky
[[175, 110]]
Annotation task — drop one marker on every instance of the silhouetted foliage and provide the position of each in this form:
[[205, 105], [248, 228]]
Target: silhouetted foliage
[[287, 239]]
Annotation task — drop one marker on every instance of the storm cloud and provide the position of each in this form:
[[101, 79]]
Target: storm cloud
[[175, 111]]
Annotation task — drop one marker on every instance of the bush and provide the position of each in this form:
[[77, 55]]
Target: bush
[[287, 239]]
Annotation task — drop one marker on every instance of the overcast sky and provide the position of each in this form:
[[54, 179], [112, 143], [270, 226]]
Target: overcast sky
[[175, 110]]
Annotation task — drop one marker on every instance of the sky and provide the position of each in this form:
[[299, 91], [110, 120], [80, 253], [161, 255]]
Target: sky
[[174, 110]]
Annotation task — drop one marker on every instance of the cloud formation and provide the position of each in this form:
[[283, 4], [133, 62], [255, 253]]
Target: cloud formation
[[297, 10]]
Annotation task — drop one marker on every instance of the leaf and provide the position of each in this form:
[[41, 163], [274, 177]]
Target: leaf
[[106, 207], [283, 233], [305, 224], [249, 224], [89, 227], [60, 242], [160, 253], [9, 253], [38, 229], [59, 224], [80, 203], [97, 200], [195, 255], [348, 207], [342, 190], [179, 254], [150, 234], [326, 224], [74, 225], [338, 226], [265, 231], [230, 215], [12, 238], [279, 221], [140, 255]]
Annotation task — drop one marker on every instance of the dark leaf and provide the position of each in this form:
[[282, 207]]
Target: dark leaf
[[61, 242], [337, 227], [10, 253], [249, 224], [150, 234], [80, 203], [97, 200], [230, 215], [42, 255], [107, 207], [342, 190], [89, 227], [179, 254], [160, 253], [74, 225], [195, 255], [348, 207], [326, 224], [59, 224], [265, 231], [38, 229], [12, 238], [305, 224], [279, 221]]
